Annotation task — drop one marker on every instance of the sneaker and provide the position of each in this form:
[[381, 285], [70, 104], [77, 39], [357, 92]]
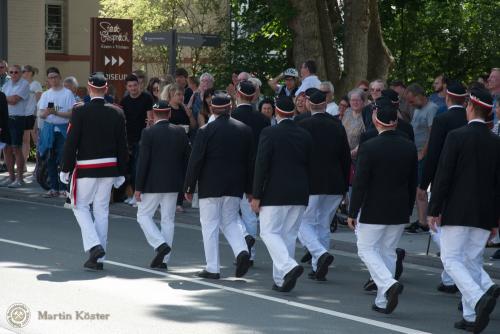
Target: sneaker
[[63, 194], [7, 182], [132, 202], [127, 201], [51, 194], [179, 209], [16, 184]]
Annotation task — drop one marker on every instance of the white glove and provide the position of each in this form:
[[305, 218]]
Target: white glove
[[64, 177], [118, 181]]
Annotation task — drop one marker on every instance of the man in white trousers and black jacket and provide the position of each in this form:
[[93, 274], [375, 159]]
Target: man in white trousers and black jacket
[[163, 156], [465, 202], [96, 152], [222, 163], [330, 165], [382, 200], [281, 191]]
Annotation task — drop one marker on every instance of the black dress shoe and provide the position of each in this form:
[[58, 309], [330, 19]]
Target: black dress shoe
[[370, 285], [483, 308], [206, 274], [494, 291], [290, 278], [322, 268], [276, 288], [161, 252], [100, 266], [250, 242], [380, 309], [465, 325], [162, 266], [242, 264], [447, 288], [400, 256], [312, 275], [392, 295], [306, 258], [96, 252]]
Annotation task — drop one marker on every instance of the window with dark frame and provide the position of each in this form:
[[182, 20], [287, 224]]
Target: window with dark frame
[[54, 27]]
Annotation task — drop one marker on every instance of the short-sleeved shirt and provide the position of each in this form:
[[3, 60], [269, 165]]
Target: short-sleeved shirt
[[440, 101], [135, 110], [20, 88], [311, 81], [422, 122], [354, 127], [179, 116], [35, 87], [63, 100]]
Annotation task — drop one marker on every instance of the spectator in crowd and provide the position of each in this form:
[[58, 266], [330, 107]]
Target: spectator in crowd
[[193, 83], [423, 115], [4, 76], [405, 109], [439, 95], [17, 92], [343, 106], [308, 76], [300, 104], [137, 106], [154, 88], [195, 103], [266, 107], [141, 79], [206, 108], [167, 79], [179, 115], [72, 84], [257, 97], [231, 88], [331, 108], [493, 86], [483, 78], [181, 79], [4, 119], [290, 77], [363, 85], [30, 131], [55, 107], [353, 120], [375, 89]]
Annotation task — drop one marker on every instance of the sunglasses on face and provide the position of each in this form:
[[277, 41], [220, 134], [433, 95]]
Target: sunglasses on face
[[375, 90], [13, 72], [52, 77]]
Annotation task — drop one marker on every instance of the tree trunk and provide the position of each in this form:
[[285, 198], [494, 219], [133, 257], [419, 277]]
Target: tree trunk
[[379, 57], [330, 56]]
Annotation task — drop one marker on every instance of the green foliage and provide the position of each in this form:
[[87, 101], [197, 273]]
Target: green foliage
[[428, 37]]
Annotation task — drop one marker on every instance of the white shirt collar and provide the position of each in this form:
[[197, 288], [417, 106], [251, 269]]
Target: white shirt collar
[[161, 120], [477, 120], [455, 106]]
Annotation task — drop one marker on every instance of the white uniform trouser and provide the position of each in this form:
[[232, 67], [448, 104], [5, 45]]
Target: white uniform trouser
[[436, 237], [314, 230], [95, 191], [146, 209], [279, 226], [377, 249], [248, 221], [220, 213], [462, 251]]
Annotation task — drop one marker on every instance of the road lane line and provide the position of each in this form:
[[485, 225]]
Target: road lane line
[[23, 244], [303, 306]]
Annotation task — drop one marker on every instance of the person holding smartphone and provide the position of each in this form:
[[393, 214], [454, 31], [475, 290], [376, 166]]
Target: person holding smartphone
[[55, 107]]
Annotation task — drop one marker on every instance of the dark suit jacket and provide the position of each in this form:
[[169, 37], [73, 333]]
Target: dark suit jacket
[[282, 166], [221, 160], [302, 116], [386, 179], [331, 157], [96, 131], [163, 157], [466, 189], [255, 120], [403, 128], [442, 124], [4, 118]]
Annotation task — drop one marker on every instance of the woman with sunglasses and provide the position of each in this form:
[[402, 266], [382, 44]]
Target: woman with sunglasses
[[154, 88]]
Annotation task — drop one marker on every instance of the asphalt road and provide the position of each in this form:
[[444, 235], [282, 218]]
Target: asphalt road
[[41, 259]]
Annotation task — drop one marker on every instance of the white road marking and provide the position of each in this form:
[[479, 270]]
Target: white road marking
[[303, 306], [23, 244]]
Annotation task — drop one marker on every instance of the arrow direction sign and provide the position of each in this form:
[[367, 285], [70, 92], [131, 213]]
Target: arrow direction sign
[[120, 61], [113, 60], [157, 38], [198, 40], [106, 60]]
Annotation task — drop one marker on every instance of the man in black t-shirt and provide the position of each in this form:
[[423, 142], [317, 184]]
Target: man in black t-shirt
[[137, 107], [181, 76]]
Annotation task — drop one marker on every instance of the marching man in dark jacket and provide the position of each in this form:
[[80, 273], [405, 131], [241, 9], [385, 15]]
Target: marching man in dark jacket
[[465, 202], [222, 164], [281, 191], [163, 155], [330, 163], [382, 200], [96, 151]]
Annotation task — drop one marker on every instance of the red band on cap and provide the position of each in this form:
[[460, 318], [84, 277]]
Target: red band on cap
[[162, 110], [391, 125], [455, 94], [97, 87], [478, 102], [223, 106], [282, 112]]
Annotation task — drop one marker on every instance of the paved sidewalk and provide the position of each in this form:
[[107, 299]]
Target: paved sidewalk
[[343, 239]]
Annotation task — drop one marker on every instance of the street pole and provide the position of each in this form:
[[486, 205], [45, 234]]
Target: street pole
[[172, 52]]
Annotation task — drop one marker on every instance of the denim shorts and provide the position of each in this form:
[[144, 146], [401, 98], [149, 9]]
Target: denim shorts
[[16, 131]]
